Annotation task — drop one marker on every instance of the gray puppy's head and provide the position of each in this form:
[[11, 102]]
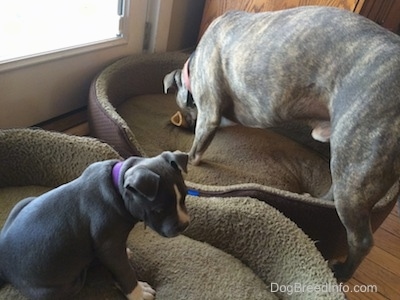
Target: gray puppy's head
[[154, 191], [184, 97]]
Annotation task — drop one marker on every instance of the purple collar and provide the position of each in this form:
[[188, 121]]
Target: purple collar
[[115, 174]]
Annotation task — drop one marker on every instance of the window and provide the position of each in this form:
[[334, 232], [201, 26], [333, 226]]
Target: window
[[42, 86], [33, 27]]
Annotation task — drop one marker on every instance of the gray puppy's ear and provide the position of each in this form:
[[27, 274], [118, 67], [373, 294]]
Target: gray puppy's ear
[[172, 79], [143, 181], [177, 159]]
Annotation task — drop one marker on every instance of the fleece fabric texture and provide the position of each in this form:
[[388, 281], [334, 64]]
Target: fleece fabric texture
[[37, 157], [234, 248], [284, 167]]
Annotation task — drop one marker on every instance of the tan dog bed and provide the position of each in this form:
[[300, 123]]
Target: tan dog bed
[[249, 244], [285, 168]]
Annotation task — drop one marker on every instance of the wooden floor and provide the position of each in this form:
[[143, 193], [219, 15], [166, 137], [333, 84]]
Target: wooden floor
[[381, 268]]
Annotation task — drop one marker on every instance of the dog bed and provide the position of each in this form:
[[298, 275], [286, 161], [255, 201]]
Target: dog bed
[[235, 247], [283, 167]]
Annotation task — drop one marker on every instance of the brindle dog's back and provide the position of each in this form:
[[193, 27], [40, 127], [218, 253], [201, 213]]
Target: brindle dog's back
[[299, 56]]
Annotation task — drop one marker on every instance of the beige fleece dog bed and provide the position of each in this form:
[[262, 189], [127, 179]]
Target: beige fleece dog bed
[[234, 248], [285, 168]]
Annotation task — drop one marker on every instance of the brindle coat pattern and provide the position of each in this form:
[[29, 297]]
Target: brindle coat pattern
[[335, 70]]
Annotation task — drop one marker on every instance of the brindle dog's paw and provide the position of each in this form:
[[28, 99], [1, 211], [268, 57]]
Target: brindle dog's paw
[[194, 160], [340, 271]]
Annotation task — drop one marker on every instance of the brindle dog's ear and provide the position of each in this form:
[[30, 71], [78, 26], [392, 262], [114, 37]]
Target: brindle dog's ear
[[177, 159], [143, 181], [172, 80]]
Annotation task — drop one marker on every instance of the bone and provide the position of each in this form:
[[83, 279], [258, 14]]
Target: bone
[[178, 120]]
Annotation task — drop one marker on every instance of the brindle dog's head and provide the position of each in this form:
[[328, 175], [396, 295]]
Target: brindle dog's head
[[184, 97]]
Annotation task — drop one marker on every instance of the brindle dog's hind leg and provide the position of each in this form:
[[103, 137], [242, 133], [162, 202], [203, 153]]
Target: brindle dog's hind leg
[[358, 186]]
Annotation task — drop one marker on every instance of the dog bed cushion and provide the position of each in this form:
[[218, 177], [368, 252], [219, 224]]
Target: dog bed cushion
[[235, 247], [283, 166]]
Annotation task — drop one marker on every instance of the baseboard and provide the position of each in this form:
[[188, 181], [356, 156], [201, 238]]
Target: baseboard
[[74, 123]]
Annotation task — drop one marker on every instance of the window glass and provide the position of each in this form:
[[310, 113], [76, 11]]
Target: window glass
[[30, 27]]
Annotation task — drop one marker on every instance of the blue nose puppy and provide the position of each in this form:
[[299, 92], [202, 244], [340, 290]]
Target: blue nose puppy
[[48, 242]]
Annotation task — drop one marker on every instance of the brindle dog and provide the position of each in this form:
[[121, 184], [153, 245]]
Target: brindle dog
[[337, 71]]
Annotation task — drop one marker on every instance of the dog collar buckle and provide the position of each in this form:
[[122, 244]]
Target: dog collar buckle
[[115, 174]]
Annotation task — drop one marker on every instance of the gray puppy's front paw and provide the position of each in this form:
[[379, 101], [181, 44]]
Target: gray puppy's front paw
[[129, 253], [148, 291], [143, 291]]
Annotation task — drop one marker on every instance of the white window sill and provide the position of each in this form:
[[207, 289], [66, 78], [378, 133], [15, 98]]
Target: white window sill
[[21, 62]]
